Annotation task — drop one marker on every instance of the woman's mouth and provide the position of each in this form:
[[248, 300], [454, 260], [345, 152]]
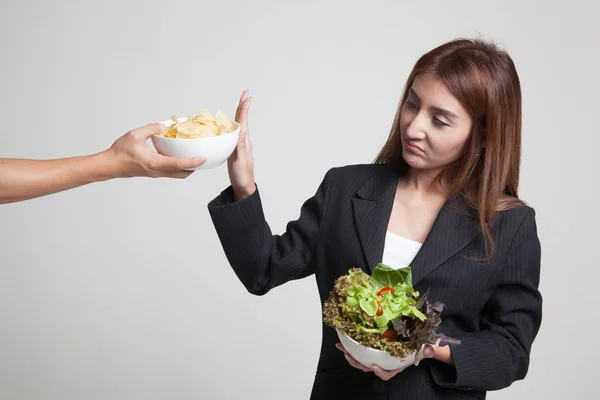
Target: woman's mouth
[[413, 147]]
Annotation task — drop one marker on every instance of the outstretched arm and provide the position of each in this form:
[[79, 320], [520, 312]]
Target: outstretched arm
[[129, 156]]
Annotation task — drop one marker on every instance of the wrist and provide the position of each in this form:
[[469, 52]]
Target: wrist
[[106, 166], [243, 192]]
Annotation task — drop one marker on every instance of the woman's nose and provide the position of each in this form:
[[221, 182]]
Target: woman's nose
[[416, 129]]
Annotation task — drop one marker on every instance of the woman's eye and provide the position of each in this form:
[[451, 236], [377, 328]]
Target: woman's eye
[[438, 122], [410, 104]]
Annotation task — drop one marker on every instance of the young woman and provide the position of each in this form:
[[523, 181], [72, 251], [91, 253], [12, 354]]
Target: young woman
[[441, 197]]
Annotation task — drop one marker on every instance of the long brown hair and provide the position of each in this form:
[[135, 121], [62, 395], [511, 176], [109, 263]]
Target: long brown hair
[[484, 80]]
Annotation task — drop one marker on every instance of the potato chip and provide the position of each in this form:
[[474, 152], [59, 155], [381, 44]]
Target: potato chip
[[200, 126]]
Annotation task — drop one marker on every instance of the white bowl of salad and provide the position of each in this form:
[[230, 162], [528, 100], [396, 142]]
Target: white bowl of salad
[[368, 356], [381, 319]]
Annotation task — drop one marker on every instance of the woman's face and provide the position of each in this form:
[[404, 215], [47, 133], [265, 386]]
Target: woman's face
[[434, 126]]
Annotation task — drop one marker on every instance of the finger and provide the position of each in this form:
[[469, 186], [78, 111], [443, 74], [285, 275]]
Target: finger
[[244, 143], [355, 363], [245, 95], [428, 351], [341, 348], [244, 124], [147, 131], [246, 139], [246, 109], [172, 174], [384, 375], [242, 99], [165, 163], [242, 112], [178, 174], [243, 139]]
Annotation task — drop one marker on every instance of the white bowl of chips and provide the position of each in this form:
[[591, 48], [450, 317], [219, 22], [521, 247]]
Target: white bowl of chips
[[213, 137]]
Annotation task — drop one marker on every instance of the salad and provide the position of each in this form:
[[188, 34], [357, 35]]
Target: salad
[[383, 311]]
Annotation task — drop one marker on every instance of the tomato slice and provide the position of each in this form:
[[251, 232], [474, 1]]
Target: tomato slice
[[381, 293], [390, 335], [379, 310]]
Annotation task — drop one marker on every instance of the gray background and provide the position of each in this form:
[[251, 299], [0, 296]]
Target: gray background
[[120, 290]]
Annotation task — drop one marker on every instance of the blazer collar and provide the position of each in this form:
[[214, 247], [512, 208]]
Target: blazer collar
[[453, 229]]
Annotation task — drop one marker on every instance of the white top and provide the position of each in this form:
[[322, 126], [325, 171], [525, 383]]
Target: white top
[[398, 251]]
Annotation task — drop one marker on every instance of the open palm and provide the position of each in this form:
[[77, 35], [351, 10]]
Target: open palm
[[240, 164]]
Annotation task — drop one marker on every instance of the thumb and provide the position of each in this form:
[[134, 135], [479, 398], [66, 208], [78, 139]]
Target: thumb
[[428, 351], [147, 131]]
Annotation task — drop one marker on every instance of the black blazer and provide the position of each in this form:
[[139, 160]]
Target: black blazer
[[494, 307]]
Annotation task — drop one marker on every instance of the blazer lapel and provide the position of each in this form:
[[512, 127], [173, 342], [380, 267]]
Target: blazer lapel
[[372, 208], [453, 229]]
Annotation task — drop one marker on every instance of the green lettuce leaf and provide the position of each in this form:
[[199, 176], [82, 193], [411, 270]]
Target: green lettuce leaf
[[384, 276]]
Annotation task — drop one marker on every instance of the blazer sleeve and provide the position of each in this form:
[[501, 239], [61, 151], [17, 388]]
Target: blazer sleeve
[[498, 355], [263, 260]]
